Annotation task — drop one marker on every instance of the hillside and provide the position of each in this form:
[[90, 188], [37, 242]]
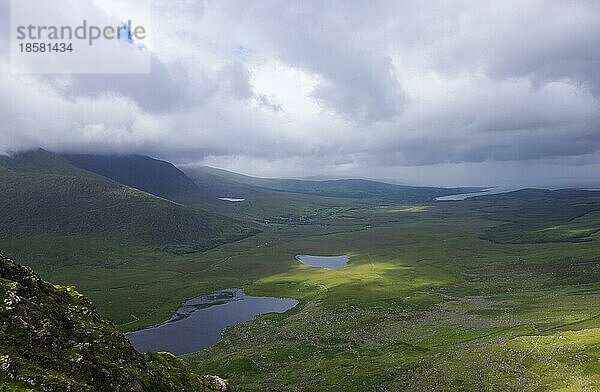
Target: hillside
[[436, 296], [154, 176], [58, 199], [198, 190], [204, 185], [53, 340], [261, 204], [265, 200], [40, 161], [347, 188], [163, 179], [542, 216]]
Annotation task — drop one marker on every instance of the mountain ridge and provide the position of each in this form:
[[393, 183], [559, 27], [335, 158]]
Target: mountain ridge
[[158, 177], [53, 197], [339, 188]]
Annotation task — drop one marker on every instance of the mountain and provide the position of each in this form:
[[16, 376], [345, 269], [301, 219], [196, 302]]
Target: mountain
[[350, 188], [40, 161], [154, 176], [205, 185], [541, 216], [41, 193], [261, 204], [201, 189], [54, 340]]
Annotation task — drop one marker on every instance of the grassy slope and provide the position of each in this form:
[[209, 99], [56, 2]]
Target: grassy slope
[[161, 178], [264, 205], [154, 176], [53, 198], [352, 188], [426, 303], [40, 161], [53, 340], [540, 216]]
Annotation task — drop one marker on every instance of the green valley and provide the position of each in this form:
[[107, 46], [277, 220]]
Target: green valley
[[495, 293], [300, 196]]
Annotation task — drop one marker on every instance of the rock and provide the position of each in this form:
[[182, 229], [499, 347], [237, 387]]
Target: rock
[[217, 383], [54, 340]]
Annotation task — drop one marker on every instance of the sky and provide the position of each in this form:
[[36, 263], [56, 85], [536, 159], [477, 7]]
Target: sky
[[428, 93]]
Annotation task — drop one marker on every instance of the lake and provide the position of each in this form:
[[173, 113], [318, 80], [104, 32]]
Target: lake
[[325, 262], [464, 196], [199, 322], [485, 192]]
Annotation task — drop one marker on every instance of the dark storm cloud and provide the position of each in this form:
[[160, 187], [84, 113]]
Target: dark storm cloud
[[563, 45], [289, 88]]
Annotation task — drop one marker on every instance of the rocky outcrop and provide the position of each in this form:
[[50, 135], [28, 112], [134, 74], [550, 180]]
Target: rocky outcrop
[[52, 339]]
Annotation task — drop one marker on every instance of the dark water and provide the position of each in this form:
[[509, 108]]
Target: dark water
[[325, 262], [199, 322]]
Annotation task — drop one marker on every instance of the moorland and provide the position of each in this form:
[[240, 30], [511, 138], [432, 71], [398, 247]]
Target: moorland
[[499, 292]]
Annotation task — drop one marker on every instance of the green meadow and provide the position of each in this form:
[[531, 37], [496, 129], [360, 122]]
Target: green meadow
[[498, 293]]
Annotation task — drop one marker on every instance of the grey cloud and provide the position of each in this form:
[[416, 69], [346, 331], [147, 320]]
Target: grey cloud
[[160, 91], [4, 28], [168, 88], [357, 82], [366, 92], [235, 80], [268, 103], [403, 86], [543, 41]]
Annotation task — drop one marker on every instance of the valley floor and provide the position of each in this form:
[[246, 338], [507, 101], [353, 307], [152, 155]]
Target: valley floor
[[435, 297]]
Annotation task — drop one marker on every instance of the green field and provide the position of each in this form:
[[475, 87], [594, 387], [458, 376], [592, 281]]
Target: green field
[[499, 293]]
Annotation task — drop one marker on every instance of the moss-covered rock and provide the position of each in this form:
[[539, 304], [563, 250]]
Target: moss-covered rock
[[52, 339]]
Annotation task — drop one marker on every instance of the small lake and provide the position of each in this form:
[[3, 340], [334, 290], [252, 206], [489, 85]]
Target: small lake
[[199, 322], [485, 192], [231, 199], [464, 196], [325, 262]]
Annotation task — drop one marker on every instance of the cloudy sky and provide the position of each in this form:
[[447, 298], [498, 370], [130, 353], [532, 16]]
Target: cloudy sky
[[427, 92]]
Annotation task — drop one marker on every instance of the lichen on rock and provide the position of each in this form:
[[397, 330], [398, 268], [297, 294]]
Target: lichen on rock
[[52, 339]]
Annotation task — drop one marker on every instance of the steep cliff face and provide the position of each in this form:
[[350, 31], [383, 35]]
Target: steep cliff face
[[52, 339]]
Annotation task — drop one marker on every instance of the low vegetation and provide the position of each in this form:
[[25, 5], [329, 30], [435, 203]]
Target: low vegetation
[[53, 340], [56, 199], [495, 293]]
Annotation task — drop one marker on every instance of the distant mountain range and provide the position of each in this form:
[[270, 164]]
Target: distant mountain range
[[346, 188], [134, 233], [163, 179], [153, 201], [44, 193]]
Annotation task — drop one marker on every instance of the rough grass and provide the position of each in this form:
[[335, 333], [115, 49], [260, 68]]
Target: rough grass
[[46, 204], [53, 340], [429, 301]]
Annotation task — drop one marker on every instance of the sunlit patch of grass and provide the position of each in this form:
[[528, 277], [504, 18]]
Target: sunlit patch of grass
[[424, 303], [568, 361], [413, 209]]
